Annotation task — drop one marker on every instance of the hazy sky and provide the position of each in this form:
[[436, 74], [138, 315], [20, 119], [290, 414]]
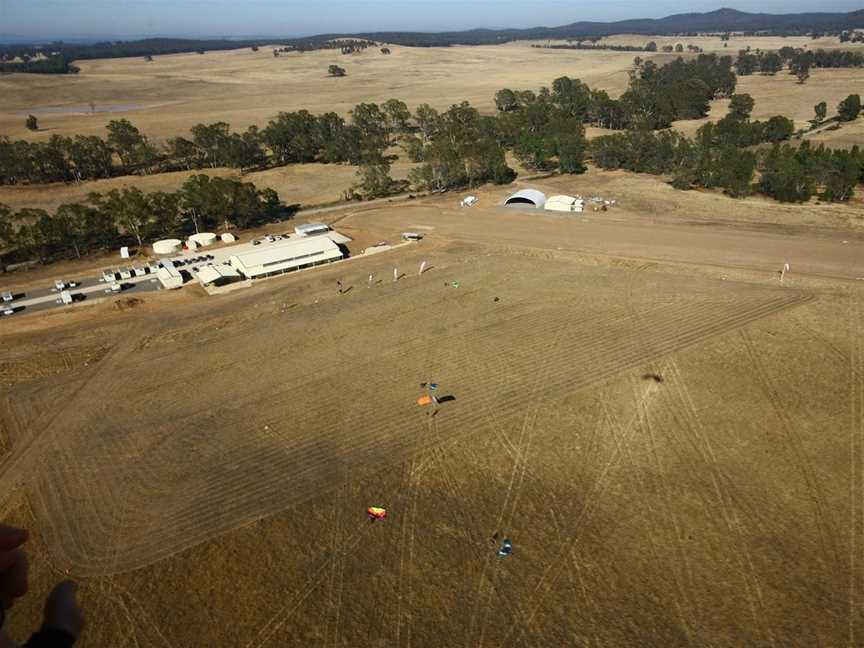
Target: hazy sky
[[303, 17]]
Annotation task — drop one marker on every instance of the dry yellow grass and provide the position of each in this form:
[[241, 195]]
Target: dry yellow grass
[[303, 184], [244, 87], [169, 95], [783, 95], [736, 42]]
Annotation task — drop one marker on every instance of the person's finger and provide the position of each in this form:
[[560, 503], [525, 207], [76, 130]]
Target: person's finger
[[62, 611], [11, 537], [13, 581], [8, 558], [6, 642]]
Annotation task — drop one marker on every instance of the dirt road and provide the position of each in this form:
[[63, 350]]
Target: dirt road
[[621, 234]]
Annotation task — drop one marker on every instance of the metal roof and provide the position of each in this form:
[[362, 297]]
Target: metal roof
[[283, 255], [538, 198], [567, 200], [310, 227], [209, 274], [336, 237]]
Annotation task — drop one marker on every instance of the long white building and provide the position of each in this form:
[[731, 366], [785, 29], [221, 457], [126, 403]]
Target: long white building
[[286, 256]]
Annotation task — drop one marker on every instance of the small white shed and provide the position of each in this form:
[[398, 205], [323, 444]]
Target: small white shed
[[564, 204], [311, 229]]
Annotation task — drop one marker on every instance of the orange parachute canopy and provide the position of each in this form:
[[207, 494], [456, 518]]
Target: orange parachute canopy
[[423, 401], [376, 512]]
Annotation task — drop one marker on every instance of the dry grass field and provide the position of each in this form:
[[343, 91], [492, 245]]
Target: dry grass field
[[202, 465], [166, 97], [672, 438], [304, 184], [243, 87], [737, 41]]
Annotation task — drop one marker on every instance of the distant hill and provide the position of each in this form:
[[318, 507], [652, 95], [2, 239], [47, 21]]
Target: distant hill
[[719, 21], [722, 20]]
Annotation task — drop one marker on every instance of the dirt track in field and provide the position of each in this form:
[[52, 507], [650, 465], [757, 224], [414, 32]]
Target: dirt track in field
[[673, 440], [216, 462], [272, 424]]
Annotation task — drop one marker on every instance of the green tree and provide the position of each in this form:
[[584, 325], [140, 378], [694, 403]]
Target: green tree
[[183, 152], [778, 129], [336, 71], [651, 47], [800, 67], [428, 121], [129, 208], [32, 123], [36, 235], [373, 126], [843, 177], [784, 178], [72, 226], [166, 216], [292, 137], [213, 142], [505, 100], [740, 106], [849, 108], [571, 153], [7, 228], [746, 63], [129, 144], [820, 111], [91, 156], [374, 179], [202, 202], [770, 63], [396, 114]]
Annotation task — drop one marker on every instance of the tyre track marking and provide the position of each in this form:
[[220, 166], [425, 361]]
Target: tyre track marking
[[551, 575], [856, 468], [520, 461], [701, 442], [693, 428], [821, 512], [645, 420], [337, 571], [218, 500]]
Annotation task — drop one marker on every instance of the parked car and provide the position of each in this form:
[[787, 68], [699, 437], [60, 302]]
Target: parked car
[[6, 296], [8, 311]]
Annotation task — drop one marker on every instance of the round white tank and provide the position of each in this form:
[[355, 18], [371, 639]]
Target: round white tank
[[167, 246], [203, 239], [228, 238]]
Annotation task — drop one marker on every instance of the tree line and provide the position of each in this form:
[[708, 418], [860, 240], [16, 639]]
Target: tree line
[[57, 57], [797, 60], [128, 215], [454, 148], [719, 157], [579, 45], [656, 95], [291, 137]]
